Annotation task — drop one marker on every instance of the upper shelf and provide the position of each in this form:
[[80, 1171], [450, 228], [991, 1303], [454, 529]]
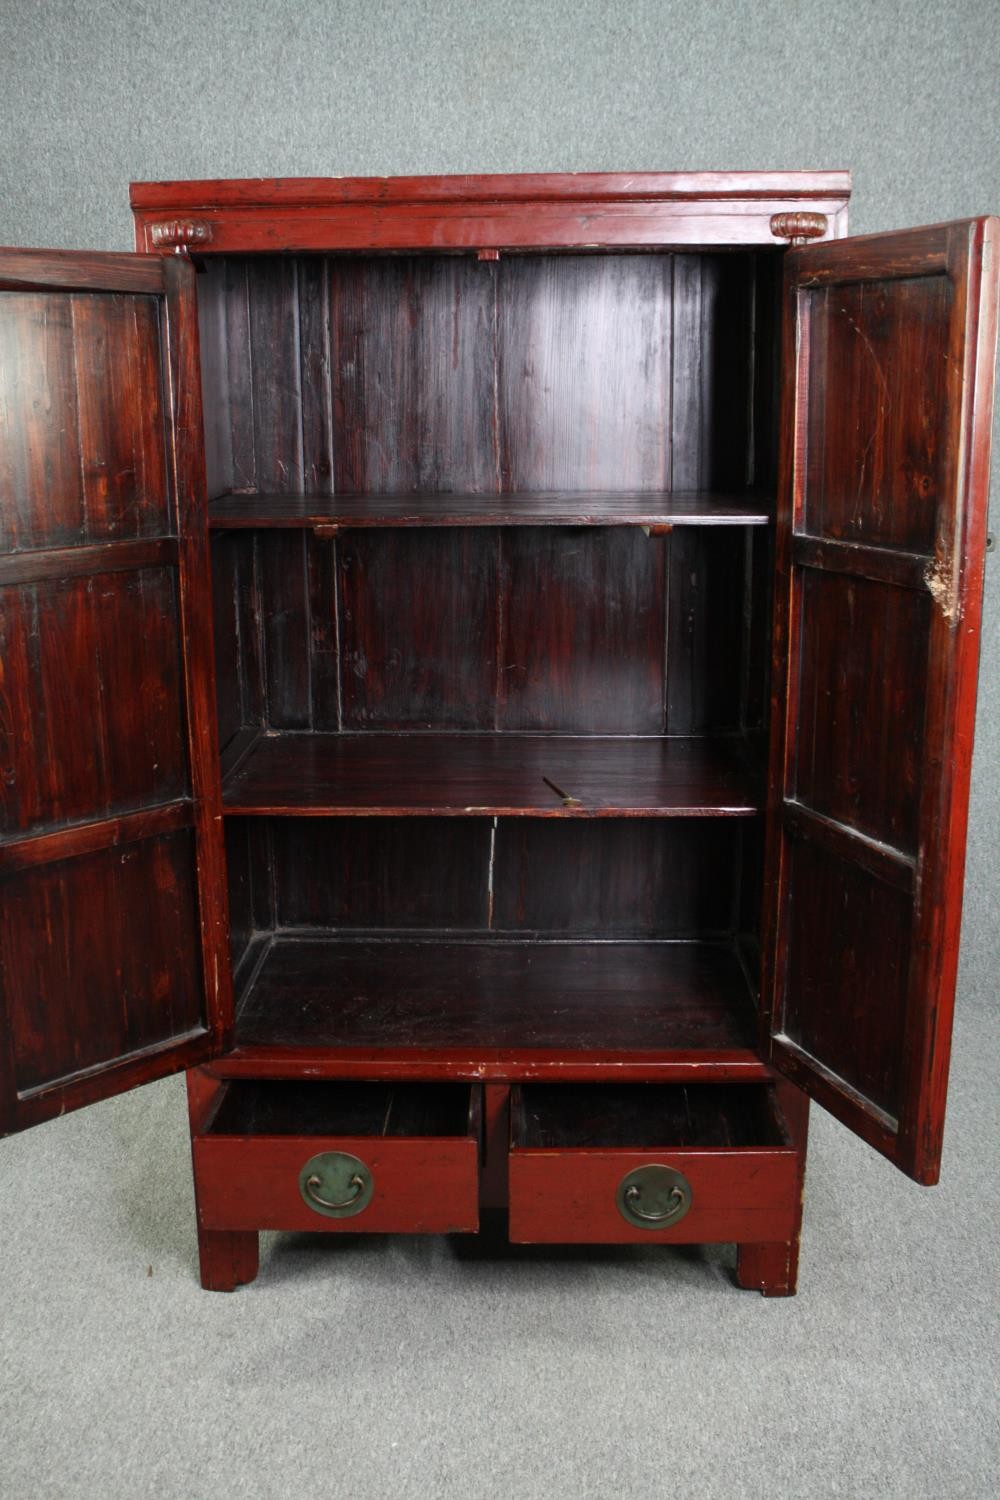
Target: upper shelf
[[655, 508], [510, 775]]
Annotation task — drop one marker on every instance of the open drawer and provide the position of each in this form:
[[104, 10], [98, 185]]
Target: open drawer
[[351, 1156], [607, 1164]]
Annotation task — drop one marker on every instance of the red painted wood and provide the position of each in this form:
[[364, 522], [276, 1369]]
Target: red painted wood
[[486, 213], [107, 975], [227, 1259], [889, 349], [489, 1064], [508, 775], [773, 1268], [742, 1172], [310, 192], [422, 1184]]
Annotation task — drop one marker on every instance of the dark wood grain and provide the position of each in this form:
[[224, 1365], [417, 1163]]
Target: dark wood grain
[[828, 1011], [379, 873], [889, 347], [477, 774], [243, 510], [475, 1003], [186, 467], [878, 482], [617, 878], [412, 373], [581, 643], [858, 749], [710, 605], [272, 1107], [551, 1117], [73, 839], [97, 995], [418, 629], [572, 373], [82, 413], [113, 911], [584, 369], [637, 877], [78, 270], [569, 629], [93, 699]]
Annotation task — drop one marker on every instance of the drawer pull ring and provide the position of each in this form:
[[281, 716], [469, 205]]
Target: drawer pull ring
[[357, 1182], [336, 1184], [653, 1197]]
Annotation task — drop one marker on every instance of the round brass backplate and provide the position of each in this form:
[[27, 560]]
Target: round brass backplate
[[336, 1184], [653, 1197]]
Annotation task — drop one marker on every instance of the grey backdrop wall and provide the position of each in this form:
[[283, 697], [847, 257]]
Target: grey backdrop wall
[[98, 92]]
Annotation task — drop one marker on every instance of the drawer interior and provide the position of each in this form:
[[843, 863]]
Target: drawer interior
[[272, 1107], [644, 1116]]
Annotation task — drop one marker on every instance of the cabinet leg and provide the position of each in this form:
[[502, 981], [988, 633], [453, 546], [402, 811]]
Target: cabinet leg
[[771, 1270], [228, 1258]]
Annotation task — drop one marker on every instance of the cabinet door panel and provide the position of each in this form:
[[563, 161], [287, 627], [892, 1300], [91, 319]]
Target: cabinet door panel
[[889, 348], [112, 907]]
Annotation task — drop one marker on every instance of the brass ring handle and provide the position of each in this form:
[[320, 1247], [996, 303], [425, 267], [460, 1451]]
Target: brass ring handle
[[357, 1182], [675, 1202], [653, 1196], [336, 1184]]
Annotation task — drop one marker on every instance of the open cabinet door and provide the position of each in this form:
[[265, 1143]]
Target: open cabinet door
[[889, 347], [113, 926]]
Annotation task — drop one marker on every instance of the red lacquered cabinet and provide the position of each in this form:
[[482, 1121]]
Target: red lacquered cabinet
[[487, 684]]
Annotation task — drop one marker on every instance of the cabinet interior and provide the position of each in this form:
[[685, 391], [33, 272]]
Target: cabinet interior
[[493, 784]]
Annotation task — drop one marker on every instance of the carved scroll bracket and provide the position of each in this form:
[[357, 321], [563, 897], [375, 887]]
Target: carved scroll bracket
[[799, 227], [180, 235]]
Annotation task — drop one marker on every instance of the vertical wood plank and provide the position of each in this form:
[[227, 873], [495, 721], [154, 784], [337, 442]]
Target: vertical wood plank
[[413, 374], [186, 458], [584, 372], [41, 489], [119, 393]]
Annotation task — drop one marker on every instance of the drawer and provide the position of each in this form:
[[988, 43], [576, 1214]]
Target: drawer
[[346, 1157], [636, 1163]]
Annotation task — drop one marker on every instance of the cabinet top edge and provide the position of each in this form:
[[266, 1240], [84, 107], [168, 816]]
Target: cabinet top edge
[[313, 192]]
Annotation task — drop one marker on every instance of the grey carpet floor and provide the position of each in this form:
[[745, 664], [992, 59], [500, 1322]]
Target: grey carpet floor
[[362, 1368]]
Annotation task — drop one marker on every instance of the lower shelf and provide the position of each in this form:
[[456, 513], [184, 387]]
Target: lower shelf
[[481, 1009]]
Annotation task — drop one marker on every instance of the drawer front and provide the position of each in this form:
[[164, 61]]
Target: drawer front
[[582, 1196], [342, 1184]]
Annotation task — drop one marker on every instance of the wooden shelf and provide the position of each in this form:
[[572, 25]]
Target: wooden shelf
[[559, 508], [482, 1008], [509, 775]]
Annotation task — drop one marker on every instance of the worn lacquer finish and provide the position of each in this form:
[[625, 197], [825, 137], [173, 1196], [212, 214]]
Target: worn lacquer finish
[[889, 348], [493, 465], [111, 901]]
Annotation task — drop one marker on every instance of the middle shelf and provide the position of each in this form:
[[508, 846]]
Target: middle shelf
[[508, 775]]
